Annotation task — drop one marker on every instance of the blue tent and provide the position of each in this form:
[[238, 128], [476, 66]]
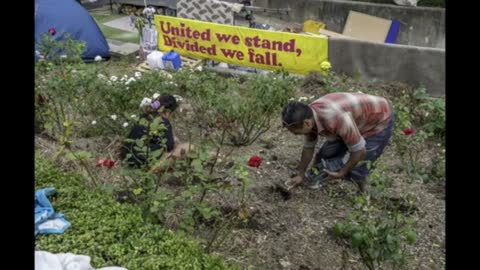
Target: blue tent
[[68, 16]]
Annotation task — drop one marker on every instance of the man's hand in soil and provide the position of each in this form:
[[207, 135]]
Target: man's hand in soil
[[295, 182]]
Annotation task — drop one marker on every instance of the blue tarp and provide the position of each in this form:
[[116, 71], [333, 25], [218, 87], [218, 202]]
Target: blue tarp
[[46, 220], [68, 16]]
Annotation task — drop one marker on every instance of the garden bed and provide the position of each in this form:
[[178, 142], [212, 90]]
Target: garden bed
[[298, 231]]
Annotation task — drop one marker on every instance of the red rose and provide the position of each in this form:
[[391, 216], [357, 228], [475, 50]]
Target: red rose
[[52, 31], [408, 131], [254, 161], [99, 163], [41, 100], [112, 163], [108, 163]]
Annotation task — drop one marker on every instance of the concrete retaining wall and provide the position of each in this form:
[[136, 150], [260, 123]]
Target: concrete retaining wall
[[419, 26], [423, 62], [386, 62]]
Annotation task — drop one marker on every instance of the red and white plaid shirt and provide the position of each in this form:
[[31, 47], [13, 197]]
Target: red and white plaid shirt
[[350, 116]]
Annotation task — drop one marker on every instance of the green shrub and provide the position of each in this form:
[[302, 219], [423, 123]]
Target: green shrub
[[112, 233], [379, 236]]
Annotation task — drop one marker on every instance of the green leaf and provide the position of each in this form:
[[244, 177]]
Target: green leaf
[[206, 212], [70, 156], [186, 194], [48, 126], [84, 155], [140, 143], [156, 154], [372, 230], [177, 174], [203, 155], [197, 165], [80, 155], [339, 228], [137, 191], [357, 239], [247, 181], [143, 122], [411, 237], [389, 239]]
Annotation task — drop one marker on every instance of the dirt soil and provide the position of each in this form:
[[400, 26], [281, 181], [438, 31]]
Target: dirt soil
[[295, 232]]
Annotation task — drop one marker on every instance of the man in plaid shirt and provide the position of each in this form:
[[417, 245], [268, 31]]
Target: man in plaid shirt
[[357, 128]]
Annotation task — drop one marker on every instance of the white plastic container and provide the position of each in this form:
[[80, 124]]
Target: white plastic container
[[154, 60]]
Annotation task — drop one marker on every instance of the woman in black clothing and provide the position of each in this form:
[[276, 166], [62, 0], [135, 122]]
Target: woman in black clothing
[[158, 111]]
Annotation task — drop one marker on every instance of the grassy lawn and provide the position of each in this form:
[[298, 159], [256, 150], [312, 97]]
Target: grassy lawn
[[113, 33]]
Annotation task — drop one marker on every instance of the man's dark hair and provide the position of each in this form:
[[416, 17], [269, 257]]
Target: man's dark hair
[[294, 113]]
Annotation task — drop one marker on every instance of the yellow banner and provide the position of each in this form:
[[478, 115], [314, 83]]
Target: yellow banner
[[295, 53]]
